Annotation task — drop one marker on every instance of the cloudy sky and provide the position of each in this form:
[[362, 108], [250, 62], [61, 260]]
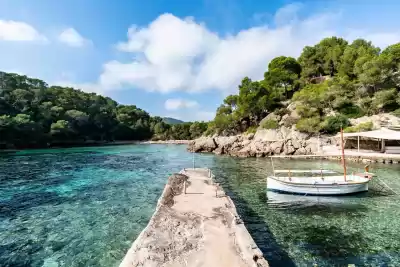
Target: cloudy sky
[[176, 58]]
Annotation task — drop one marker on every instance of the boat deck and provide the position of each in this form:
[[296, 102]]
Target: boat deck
[[322, 180]]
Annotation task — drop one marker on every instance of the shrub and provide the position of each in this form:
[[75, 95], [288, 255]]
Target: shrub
[[362, 127], [269, 124], [396, 112], [309, 125], [332, 124], [346, 107], [281, 111], [306, 111], [289, 121], [365, 104], [251, 129], [385, 100]]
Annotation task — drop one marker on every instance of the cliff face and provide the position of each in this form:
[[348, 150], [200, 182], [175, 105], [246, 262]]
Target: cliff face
[[282, 141]]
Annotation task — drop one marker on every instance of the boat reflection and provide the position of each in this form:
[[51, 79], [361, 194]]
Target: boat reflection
[[313, 203]]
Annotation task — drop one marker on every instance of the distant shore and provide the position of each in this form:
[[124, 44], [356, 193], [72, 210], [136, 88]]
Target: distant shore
[[96, 143], [175, 142]]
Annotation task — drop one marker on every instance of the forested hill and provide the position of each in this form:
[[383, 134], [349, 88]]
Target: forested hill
[[172, 120], [34, 114], [329, 83]]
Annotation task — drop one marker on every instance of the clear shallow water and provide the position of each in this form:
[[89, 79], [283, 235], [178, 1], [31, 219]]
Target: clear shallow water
[[85, 206]]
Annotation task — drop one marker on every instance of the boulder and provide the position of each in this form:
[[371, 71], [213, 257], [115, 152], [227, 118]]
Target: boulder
[[378, 121], [219, 150], [276, 147], [300, 151], [288, 148], [203, 144], [270, 135]]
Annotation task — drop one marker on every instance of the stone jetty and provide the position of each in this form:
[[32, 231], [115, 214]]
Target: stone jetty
[[195, 224]]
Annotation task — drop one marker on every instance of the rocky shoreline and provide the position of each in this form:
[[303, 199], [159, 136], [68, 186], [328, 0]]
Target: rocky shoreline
[[175, 142], [282, 141]]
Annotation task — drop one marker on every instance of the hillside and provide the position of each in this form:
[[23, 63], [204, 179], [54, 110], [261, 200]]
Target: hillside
[[172, 120], [34, 114], [329, 84]]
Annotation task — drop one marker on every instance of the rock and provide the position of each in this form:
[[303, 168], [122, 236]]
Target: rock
[[271, 116], [276, 147], [249, 136], [270, 135], [300, 151], [288, 148], [219, 150], [226, 141], [203, 144], [378, 121]]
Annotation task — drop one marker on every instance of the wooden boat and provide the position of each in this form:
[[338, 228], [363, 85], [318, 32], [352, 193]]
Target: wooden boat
[[318, 182]]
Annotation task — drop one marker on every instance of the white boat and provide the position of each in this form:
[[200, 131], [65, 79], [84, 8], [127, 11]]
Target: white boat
[[318, 182]]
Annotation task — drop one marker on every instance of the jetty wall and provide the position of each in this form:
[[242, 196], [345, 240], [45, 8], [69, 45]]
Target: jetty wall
[[195, 224]]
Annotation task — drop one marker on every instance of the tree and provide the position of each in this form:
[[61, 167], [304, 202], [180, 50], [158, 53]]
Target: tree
[[61, 130], [360, 48], [283, 72], [197, 129], [393, 52]]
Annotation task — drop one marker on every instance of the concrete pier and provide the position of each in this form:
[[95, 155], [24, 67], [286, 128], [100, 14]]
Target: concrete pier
[[195, 224]]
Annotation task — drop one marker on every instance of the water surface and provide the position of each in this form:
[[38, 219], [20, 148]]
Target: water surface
[[85, 206]]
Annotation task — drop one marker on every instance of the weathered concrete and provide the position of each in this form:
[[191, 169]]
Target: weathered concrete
[[196, 228]]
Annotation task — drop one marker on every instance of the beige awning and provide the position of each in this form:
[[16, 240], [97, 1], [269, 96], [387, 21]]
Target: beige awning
[[377, 134]]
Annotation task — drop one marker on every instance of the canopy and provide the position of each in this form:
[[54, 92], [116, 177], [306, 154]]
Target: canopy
[[378, 134]]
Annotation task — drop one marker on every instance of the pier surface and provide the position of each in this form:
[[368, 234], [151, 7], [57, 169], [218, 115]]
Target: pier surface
[[198, 228]]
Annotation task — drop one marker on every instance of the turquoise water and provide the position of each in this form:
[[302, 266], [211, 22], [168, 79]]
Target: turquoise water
[[85, 206]]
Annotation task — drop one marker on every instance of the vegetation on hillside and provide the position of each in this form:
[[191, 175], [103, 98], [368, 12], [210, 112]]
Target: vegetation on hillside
[[329, 83], [33, 114], [172, 120]]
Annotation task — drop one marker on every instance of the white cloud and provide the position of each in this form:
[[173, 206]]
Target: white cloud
[[19, 31], [176, 103], [287, 14], [72, 38], [380, 39], [174, 54]]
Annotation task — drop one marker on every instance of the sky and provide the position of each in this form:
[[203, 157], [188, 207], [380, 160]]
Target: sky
[[175, 58]]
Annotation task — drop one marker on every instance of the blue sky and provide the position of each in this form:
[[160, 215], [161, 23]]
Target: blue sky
[[176, 58]]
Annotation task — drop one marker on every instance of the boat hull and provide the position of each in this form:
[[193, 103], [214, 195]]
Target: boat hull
[[316, 189]]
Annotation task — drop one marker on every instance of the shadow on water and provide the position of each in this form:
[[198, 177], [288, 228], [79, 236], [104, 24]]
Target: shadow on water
[[259, 230], [316, 205], [338, 247]]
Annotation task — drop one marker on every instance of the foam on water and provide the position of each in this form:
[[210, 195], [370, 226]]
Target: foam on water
[[85, 206]]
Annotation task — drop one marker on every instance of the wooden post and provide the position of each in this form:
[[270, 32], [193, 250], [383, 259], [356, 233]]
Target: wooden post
[[383, 146], [358, 143], [343, 160]]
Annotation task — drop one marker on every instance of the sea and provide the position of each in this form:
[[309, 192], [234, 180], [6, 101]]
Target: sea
[[85, 206]]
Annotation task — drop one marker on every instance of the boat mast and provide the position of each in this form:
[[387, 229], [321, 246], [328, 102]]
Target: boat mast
[[343, 160]]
